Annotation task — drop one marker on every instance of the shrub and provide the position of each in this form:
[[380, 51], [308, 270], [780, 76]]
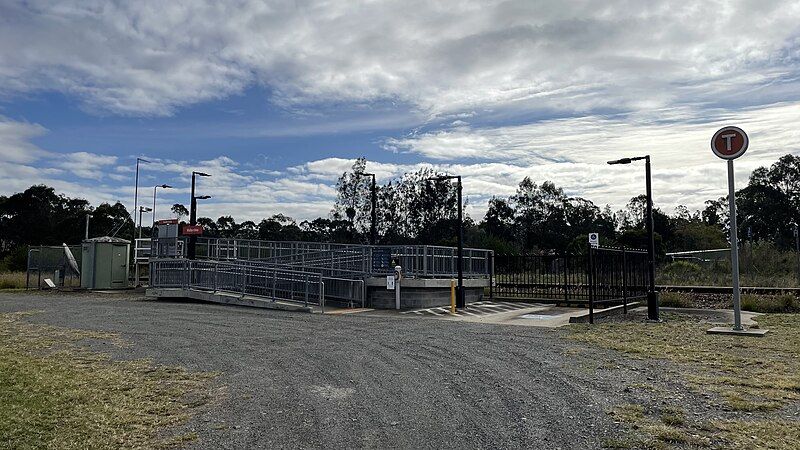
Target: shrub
[[670, 299], [770, 303], [14, 261], [682, 269]]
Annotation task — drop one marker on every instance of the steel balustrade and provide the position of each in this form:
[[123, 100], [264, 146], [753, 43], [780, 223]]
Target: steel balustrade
[[237, 278]]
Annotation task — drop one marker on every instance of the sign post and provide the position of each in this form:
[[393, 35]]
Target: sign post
[[730, 143], [398, 275], [594, 240]]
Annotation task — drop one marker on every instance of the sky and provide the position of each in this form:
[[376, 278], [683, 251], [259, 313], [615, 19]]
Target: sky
[[276, 99]]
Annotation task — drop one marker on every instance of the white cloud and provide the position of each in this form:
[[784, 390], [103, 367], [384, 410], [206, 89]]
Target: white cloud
[[15, 145], [86, 165], [152, 57], [630, 77]]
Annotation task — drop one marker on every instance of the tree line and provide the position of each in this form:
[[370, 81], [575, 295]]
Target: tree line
[[413, 209]]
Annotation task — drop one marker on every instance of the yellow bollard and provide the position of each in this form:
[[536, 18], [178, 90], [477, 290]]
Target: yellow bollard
[[452, 296]]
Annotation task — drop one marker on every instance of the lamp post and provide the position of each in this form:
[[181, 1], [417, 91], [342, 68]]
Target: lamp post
[[155, 188], [88, 216], [193, 213], [136, 194], [373, 224], [460, 297], [652, 298], [142, 209], [797, 250]]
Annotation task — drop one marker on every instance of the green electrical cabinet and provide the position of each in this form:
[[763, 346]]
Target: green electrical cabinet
[[105, 263]]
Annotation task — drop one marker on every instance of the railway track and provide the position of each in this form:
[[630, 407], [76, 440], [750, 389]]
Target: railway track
[[728, 289]]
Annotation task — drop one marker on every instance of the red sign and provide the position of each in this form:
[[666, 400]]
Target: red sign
[[192, 230], [167, 222], [729, 142]]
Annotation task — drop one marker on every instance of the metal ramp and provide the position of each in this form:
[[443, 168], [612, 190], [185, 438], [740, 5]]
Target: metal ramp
[[301, 272], [242, 279]]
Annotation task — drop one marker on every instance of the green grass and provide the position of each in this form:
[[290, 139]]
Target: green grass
[[670, 299], [12, 280], [785, 303], [56, 393], [750, 375]]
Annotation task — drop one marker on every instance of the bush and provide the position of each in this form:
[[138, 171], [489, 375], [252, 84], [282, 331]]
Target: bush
[[785, 303], [669, 299], [14, 261], [682, 270]]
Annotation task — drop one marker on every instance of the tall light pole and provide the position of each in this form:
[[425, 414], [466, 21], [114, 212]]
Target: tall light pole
[[162, 186], [136, 195], [461, 300], [797, 250], [88, 216], [193, 213], [652, 298], [142, 209], [373, 224]]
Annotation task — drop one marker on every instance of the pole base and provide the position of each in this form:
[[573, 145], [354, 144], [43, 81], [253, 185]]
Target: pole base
[[757, 332]]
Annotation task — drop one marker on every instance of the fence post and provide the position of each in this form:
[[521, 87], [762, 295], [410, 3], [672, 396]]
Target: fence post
[[215, 275], [566, 277], [321, 294], [425, 260], [491, 274], [305, 302], [591, 285], [274, 284], [624, 282], [28, 270], [244, 280]]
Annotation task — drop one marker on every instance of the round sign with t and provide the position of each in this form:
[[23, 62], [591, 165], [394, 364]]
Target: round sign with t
[[729, 142]]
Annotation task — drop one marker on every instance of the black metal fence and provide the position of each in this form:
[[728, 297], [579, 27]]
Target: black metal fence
[[600, 277], [51, 262]]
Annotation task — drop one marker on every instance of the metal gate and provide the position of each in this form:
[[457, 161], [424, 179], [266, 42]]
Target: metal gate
[[599, 277]]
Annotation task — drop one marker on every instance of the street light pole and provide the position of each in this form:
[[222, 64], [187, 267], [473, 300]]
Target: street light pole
[[652, 297], [193, 215], [373, 225], [88, 216], [797, 250], [136, 194], [461, 300], [142, 209], [163, 186]]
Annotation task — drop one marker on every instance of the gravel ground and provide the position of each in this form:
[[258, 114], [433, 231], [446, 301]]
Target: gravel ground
[[305, 380]]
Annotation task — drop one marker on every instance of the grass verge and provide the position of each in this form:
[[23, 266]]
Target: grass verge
[[753, 377], [12, 280], [57, 393]]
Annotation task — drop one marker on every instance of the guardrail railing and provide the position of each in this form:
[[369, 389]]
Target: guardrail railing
[[349, 260], [256, 279]]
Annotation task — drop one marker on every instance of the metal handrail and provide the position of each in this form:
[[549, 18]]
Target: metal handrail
[[427, 261]]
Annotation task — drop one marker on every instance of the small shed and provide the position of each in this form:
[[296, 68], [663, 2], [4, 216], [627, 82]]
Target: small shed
[[104, 263]]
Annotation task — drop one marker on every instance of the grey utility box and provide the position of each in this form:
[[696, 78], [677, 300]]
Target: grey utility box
[[105, 263]]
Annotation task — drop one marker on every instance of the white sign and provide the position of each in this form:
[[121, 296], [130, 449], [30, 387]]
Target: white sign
[[594, 240], [390, 282]]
